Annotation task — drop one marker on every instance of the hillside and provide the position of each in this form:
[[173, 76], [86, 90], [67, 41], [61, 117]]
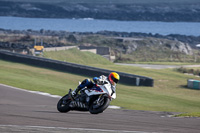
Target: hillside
[[127, 47], [76, 56], [188, 11]]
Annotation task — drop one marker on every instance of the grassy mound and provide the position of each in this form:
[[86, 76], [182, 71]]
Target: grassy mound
[[76, 56]]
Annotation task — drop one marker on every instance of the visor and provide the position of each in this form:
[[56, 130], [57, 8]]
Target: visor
[[114, 79]]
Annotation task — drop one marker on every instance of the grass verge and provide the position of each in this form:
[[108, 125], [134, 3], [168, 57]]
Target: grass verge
[[194, 114], [168, 94]]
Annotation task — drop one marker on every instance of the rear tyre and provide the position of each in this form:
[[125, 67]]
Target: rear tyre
[[63, 104], [104, 104]]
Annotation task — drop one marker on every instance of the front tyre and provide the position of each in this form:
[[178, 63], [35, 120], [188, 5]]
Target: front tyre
[[63, 104], [95, 109]]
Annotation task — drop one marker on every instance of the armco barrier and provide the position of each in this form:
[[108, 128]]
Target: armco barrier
[[125, 78]]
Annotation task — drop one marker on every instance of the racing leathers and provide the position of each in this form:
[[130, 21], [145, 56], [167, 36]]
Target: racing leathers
[[87, 83]]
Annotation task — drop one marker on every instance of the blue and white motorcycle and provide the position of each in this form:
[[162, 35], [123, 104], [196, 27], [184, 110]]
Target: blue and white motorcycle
[[95, 99]]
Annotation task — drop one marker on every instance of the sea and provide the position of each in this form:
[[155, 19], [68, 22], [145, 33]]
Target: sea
[[95, 25]]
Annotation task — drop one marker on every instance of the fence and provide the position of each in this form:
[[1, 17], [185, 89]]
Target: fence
[[125, 78]]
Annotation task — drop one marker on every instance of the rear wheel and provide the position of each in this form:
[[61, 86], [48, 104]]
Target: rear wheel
[[96, 108], [63, 104]]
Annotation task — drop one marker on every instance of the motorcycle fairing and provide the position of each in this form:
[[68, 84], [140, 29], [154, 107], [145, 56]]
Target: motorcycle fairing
[[96, 88], [101, 89]]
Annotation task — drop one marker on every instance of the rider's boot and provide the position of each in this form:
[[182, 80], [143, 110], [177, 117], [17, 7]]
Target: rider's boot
[[75, 92], [84, 83]]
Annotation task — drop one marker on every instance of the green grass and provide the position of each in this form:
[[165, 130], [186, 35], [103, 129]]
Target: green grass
[[37, 79], [75, 56], [168, 93], [88, 58], [194, 114]]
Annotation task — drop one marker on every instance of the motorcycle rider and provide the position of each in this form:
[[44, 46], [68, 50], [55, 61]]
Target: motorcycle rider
[[112, 79]]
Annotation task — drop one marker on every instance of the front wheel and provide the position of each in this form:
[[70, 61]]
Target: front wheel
[[63, 104], [96, 108]]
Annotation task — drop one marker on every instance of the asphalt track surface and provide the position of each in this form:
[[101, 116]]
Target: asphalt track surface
[[22, 111]]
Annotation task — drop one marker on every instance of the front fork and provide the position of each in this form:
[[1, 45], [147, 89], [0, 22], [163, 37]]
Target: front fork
[[99, 99], [98, 102]]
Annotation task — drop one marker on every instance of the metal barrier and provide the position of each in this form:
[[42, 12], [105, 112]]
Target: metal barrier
[[125, 78]]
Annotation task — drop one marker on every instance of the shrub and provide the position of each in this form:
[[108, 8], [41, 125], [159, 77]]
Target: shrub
[[187, 70]]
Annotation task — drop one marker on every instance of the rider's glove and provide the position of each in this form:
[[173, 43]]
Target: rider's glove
[[100, 81], [103, 78]]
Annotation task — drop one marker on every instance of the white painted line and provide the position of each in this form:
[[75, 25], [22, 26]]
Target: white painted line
[[35, 92], [45, 94], [81, 129], [49, 95], [114, 107]]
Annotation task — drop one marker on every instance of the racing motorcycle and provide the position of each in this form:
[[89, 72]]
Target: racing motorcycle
[[95, 99]]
